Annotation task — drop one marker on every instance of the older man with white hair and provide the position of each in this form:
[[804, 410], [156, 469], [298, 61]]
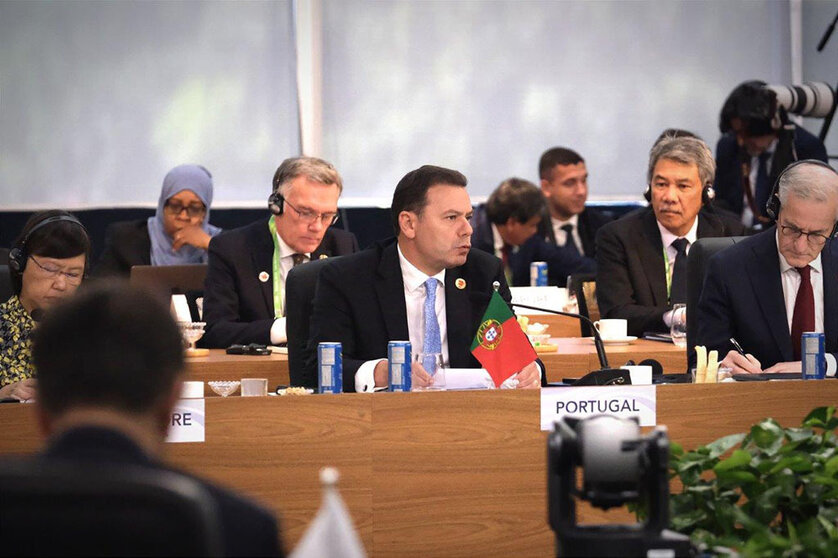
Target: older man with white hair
[[769, 289]]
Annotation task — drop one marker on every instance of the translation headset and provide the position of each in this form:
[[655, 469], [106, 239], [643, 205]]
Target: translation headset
[[19, 255], [772, 207], [276, 201]]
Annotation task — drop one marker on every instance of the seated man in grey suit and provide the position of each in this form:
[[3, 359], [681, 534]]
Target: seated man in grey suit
[[428, 286], [244, 294], [642, 258], [110, 366], [769, 289]]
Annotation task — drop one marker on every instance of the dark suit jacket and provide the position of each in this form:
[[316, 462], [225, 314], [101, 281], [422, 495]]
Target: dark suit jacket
[[360, 303], [743, 298], [728, 181], [249, 529], [561, 262], [126, 244], [238, 307], [590, 220], [631, 278]]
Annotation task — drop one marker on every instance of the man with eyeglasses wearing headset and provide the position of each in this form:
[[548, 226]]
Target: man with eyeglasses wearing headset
[[244, 292], [768, 289]]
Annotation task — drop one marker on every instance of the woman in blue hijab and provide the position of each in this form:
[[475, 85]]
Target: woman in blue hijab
[[178, 233]]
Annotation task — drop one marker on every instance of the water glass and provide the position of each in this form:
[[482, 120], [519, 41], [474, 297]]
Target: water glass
[[678, 329], [432, 363]]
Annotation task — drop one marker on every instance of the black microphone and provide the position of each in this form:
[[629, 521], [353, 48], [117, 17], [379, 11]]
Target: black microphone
[[600, 348], [37, 314], [828, 34]]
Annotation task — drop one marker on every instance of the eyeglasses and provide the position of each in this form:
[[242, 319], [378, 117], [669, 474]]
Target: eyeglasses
[[192, 210], [813, 238], [53, 271], [310, 217]]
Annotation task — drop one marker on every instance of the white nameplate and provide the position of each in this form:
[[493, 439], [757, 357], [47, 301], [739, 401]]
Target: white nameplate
[[187, 421], [588, 401], [553, 298]]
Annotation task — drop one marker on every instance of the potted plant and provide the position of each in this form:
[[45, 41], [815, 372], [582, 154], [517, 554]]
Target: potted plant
[[776, 494]]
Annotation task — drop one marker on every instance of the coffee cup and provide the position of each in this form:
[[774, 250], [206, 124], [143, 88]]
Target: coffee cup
[[612, 328]]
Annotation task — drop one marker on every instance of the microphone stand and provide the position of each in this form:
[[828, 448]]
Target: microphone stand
[[605, 375]]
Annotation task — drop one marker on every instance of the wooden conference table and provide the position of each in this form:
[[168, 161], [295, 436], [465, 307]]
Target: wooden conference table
[[575, 357], [429, 474]]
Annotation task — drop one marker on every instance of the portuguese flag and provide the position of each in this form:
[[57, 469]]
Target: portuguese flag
[[500, 345]]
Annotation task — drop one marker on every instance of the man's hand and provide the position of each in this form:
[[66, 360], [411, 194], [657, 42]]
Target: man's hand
[[529, 377], [22, 390], [419, 376], [741, 364], [192, 235], [796, 366]]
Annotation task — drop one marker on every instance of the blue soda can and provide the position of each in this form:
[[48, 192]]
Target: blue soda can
[[812, 354], [398, 359], [329, 368], [538, 274]]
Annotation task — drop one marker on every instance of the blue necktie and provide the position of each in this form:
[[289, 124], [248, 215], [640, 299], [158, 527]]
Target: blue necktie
[[433, 343]]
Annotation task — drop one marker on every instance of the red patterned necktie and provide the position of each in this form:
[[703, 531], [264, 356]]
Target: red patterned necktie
[[804, 310]]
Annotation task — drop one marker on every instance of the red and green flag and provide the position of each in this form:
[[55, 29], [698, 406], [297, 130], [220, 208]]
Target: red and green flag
[[500, 344]]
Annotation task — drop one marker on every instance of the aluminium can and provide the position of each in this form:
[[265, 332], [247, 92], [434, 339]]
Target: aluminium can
[[398, 361], [812, 354], [329, 367], [538, 274]]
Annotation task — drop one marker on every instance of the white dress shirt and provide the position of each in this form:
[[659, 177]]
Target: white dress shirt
[[414, 299], [561, 236], [667, 238], [286, 262]]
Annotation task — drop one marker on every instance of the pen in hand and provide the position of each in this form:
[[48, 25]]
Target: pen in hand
[[738, 347]]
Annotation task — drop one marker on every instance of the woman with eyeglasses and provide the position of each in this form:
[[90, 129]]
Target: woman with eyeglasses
[[47, 264], [179, 233]]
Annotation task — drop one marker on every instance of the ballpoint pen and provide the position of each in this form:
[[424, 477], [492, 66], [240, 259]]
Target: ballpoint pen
[[737, 346]]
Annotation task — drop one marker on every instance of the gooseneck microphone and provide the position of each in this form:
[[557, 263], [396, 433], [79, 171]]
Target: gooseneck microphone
[[600, 348]]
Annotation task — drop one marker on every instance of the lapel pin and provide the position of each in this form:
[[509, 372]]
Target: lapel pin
[[263, 276], [323, 256], [460, 283]]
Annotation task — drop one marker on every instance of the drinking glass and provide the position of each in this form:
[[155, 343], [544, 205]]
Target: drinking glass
[[432, 362], [191, 332], [678, 329]]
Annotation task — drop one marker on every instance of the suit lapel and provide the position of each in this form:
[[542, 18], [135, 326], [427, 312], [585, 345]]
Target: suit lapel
[[830, 299], [458, 316], [651, 256], [764, 274], [585, 234], [262, 258], [389, 286]]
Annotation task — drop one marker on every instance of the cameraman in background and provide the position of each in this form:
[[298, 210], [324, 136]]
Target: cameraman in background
[[758, 142]]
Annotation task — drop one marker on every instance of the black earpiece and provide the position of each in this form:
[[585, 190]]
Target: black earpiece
[[18, 255], [772, 206], [276, 203]]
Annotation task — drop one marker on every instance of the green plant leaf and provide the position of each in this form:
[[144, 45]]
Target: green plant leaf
[[722, 445], [798, 463], [830, 468], [768, 436], [822, 417], [738, 459]]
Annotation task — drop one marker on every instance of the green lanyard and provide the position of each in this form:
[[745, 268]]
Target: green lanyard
[[277, 272], [668, 273]]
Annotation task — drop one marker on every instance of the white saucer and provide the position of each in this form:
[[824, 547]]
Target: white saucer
[[618, 340]]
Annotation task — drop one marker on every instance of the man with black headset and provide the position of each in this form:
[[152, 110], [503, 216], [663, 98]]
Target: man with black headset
[[244, 293], [768, 289], [642, 258]]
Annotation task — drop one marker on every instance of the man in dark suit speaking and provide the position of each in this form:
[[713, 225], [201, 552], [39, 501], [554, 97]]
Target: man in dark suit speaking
[[428, 286], [642, 258], [770, 288], [244, 294], [110, 366]]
